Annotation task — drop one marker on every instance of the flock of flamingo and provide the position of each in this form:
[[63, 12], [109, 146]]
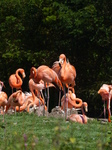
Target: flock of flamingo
[[62, 75]]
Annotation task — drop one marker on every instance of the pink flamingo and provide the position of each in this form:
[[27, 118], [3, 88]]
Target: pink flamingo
[[15, 99], [106, 93], [72, 102], [3, 98], [66, 73], [15, 80], [80, 118], [47, 75]]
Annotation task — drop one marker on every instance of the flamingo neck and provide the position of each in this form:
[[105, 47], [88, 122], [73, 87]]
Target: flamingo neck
[[19, 80], [82, 117], [82, 108]]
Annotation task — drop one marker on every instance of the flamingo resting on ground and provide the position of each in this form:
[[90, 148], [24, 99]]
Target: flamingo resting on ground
[[80, 118], [106, 93], [3, 98], [66, 72], [48, 76], [15, 80]]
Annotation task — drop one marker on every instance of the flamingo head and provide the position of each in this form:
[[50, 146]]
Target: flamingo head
[[23, 74], [62, 59], [33, 72], [85, 106], [2, 84]]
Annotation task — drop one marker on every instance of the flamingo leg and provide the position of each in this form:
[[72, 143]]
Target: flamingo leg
[[59, 98], [67, 103], [47, 100], [65, 108], [65, 97], [104, 110], [45, 90], [44, 102], [108, 108]]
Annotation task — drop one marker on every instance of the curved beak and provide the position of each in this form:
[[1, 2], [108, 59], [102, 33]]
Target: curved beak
[[24, 75], [86, 108]]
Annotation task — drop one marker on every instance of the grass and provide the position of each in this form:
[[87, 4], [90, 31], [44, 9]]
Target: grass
[[25, 131]]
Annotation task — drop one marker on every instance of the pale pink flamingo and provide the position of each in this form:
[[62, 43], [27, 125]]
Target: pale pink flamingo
[[80, 118], [15, 80], [38, 88], [3, 98], [106, 93]]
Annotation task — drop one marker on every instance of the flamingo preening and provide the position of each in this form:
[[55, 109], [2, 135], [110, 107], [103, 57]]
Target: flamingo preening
[[66, 73], [72, 101], [15, 99], [15, 80]]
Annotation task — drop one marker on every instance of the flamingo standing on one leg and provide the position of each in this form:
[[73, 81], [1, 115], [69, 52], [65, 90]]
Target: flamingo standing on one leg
[[65, 71], [106, 93], [80, 118], [15, 80], [48, 76], [3, 98]]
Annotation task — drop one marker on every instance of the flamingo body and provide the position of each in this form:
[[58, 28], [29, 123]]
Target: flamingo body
[[106, 93], [80, 118], [15, 80]]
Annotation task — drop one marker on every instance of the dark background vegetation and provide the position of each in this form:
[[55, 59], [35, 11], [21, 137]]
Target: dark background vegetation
[[36, 32]]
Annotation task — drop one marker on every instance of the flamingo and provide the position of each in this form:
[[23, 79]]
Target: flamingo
[[3, 98], [73, 102], [15, 99], [38, 88], [46, 74], [106, 93], [80, 118], [27, 101], [66, 73], [15, 80]]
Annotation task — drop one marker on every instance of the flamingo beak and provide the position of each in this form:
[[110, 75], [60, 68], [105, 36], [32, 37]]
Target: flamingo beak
[[3, 85], [61, 61], [24, 75], [86, 108]]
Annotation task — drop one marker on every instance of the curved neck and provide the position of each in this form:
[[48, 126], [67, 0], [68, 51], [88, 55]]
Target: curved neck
[[32, 91], [82, 108], [19, 80]]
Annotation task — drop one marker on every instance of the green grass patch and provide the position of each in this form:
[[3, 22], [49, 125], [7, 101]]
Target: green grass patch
[[29, 132]]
